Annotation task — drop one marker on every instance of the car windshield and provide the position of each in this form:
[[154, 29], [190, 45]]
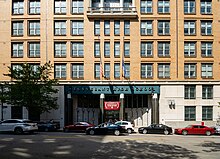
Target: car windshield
[[189, 126]]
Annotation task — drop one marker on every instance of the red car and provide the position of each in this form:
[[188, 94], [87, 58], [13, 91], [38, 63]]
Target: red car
[[77, 127], [196, 130]]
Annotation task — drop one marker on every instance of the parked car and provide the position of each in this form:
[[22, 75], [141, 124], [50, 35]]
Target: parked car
[[18, 126], [196, 130], [77, 127], [156, 129], [48, 126], [127, 125], [105, 129]]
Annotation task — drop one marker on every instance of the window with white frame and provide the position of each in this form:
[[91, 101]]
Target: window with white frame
[[206, 6], [190, 113], [163, 27], [97, 70], [35, 68], [107, 70], [107, 49], [97, 49], [163, 49], [17, 49], [189, 49], [127, 27], [207, 69], [60, 27], [117, 49], [127, 49], [146, 27], [77, 6], [60, 71], [77, 28], [146, 70], [117, 27], [146, 6], [117, 70], [60, 7], [107, 27], [190, 70], [146, 49], [34, 7], [34, 27], [163, 70], [207, 92], [17, 28], [77, 49], [189, 27], [163, 6], [97, 27], [60, 49], [206, 49], [206, 27], [34, 49], [77, 71], [18, 7], [207, 113], [126, 70], [190, 92], [189, 6], [16, 67]]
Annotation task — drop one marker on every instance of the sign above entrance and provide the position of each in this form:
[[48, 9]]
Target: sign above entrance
[[112, 105]]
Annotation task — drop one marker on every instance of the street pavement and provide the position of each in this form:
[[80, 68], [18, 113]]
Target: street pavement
[[56, 145]]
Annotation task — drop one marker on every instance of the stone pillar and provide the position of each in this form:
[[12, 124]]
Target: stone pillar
[[121, 112], [155, 109], [102, 96]]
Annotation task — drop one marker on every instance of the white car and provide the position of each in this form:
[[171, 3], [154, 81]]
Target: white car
[[127, 125], [18, 126]]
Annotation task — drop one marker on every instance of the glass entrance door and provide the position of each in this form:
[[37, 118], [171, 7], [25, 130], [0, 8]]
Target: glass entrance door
[[111, 115]]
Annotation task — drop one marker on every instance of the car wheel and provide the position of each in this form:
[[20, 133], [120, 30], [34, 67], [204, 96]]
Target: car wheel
[[117, 132], [208, 133], [145, 131], [18, 131], [91, 132], [129, 131], [166, 132], [184, 132]]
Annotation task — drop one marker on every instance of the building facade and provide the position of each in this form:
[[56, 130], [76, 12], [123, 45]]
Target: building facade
[[146, 61]]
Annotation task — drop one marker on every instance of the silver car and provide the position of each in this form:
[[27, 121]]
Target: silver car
[[18, 126]]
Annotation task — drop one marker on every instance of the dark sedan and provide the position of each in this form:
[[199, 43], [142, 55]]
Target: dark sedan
[[78, 127], [48, 126], [105, 129], [156, 129]]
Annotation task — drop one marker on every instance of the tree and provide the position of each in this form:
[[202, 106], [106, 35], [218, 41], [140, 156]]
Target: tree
[[32, 88]]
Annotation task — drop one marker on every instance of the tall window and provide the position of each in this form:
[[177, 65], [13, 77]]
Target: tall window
[[207, 113], [206, 49], [18, 7], [146, 27], [189, 6], [77, 28], [60, 27], [34, 49], [189, 28], [59, 49], [117, 27], [60, 7], [107, 70], [117, 70], [34, 27], [60, 70], [107, 27], [206, 7], [146, 71], [163, 49], [206, 27], [126, 27], [117, 49], [77, 49], [190, 113], [97, 49], [17, 28], [190, 92], [163, 70], [207, 92], [107, 49], [97, 27], [163, 6], [146, 6], [163, 28], [207, 70], [77, 6], [97, 70], [127, 49], [16, 67], [34, 7], [77, 71], [126, 70], [17, 50], [146, 49], [189, 49], [190, 70]]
